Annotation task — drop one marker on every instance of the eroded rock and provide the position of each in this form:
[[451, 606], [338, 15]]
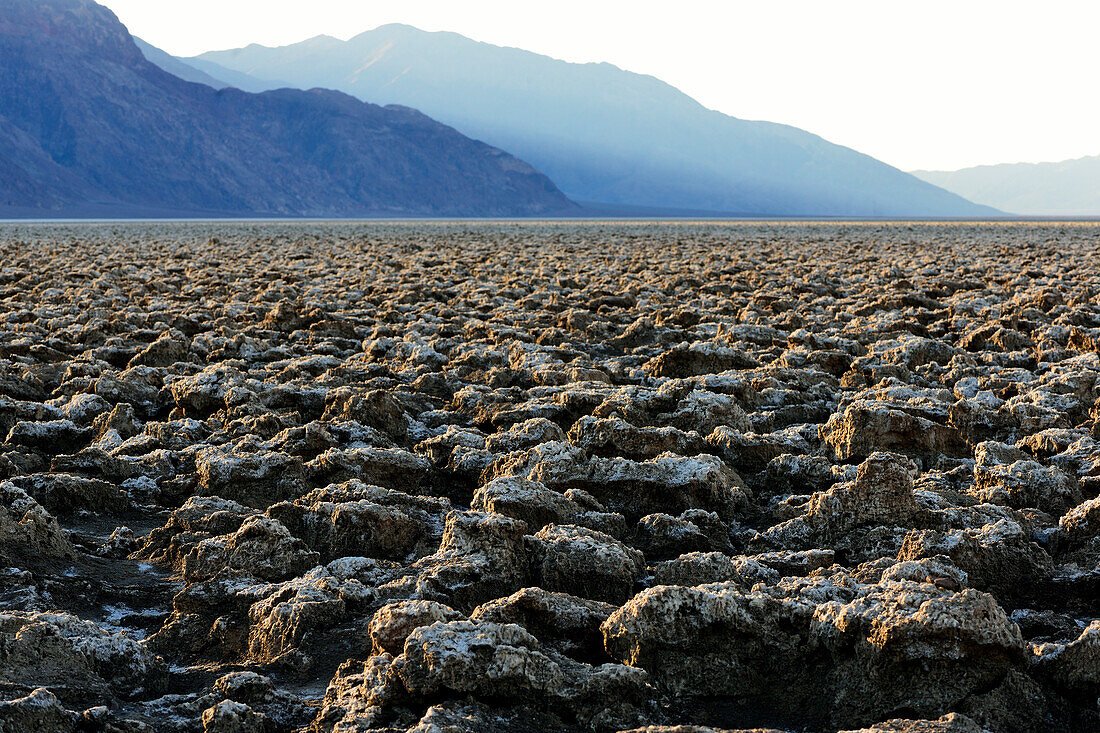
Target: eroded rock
[[798, 475]]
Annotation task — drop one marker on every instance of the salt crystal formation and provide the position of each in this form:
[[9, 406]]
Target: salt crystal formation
[[552, 477]]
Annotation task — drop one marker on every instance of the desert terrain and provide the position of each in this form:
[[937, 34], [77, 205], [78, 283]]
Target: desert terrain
[[549, 477]]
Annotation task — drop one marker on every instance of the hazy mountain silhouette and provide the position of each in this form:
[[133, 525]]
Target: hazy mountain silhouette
[[1066, 188], [186, 71], [206, 72], [601, 133], [88, 126]]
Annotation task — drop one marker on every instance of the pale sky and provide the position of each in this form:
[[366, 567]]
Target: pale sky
[[938, 84]]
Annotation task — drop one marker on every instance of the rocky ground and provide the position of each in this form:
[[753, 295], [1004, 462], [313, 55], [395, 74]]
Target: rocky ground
[[506, 478]]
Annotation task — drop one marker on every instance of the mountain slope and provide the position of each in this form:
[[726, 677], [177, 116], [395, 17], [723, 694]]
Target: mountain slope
[[602, 134], [206, 72], [1067, 188], [88, 126], [229, 77], [175, 67]]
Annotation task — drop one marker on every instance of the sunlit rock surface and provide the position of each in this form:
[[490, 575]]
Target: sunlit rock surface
[[554, 477]]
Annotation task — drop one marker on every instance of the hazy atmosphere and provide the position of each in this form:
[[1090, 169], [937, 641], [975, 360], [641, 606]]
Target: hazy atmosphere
[[604, 367], [934, 85]]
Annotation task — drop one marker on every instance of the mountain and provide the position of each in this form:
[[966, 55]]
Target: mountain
[[1068, 188], [229, 77], [90, 127], [186, 71], [206, 72], [601, 133]]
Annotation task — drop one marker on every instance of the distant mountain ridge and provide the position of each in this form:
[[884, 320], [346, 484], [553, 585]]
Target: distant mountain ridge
[[206, 72], [1065, 188], [185, 71], [601, 133], [89, 127]]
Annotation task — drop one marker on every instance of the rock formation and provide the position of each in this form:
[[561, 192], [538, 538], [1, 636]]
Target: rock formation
[[503, 478]]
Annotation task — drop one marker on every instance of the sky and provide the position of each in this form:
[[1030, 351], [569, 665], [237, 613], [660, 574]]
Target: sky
[[933, 85]]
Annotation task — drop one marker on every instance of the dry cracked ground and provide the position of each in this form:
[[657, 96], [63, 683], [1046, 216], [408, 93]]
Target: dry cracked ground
[[505, 478]]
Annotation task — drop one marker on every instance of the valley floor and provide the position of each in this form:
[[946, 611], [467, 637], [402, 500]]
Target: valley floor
[[557, 477]]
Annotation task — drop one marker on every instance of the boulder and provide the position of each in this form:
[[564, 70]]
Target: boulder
[[391, 625], [39, 710], [489, 660], [998, 557], [699, 568], [868, 649], [1073, 667], [482, 557], [261, 547], [564, 623], [27, 529], [1082, 523], [669, 484], [1024, 483], [80, 662], [880, 496], [867, 426], [539, 506], [232, 717], [358, 520], [584, 563], [617, 437]]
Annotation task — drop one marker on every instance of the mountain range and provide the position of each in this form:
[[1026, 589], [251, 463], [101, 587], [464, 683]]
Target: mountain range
[[192, 71], [90, 127], [600, 133], [1066, 188], [96, 123]]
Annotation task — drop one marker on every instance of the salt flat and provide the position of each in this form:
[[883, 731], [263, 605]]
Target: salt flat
[[549, 476]]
